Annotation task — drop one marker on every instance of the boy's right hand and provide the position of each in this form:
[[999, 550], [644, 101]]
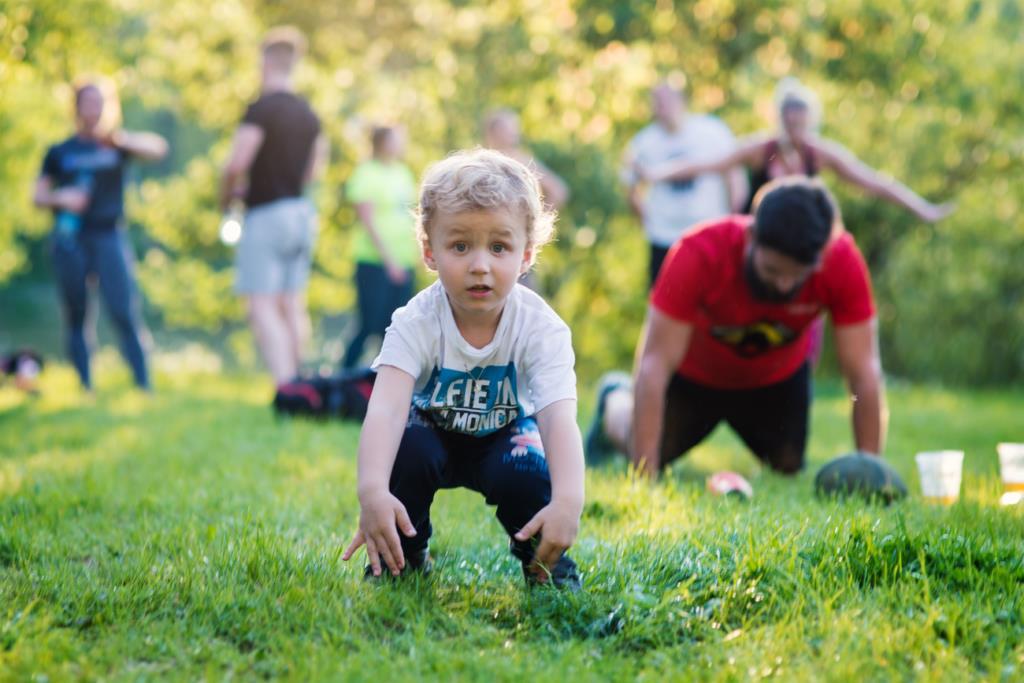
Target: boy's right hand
[[380, 518]]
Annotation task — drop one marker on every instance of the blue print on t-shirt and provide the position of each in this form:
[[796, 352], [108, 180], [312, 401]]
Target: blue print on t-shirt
[[478, 402]]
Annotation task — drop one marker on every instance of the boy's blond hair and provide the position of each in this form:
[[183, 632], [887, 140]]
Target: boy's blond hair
[[482, 179]]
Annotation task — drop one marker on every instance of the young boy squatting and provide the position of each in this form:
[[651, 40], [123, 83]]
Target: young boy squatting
[[488, 370]]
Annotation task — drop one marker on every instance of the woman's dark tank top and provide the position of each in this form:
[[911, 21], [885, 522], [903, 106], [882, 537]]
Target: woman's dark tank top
[[762, 176]]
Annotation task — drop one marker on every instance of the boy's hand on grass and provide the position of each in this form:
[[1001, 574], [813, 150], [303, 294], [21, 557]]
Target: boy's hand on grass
[[380, 518], [557, 523]]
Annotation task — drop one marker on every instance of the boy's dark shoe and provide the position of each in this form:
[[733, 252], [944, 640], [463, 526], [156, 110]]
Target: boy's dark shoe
[[416, 563], [564, 576], [597, 447]]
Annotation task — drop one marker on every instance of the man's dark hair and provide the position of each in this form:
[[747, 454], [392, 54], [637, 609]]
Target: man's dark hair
[[795, 216]]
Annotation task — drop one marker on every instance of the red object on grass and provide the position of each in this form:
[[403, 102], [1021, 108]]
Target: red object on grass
[[724, 483]]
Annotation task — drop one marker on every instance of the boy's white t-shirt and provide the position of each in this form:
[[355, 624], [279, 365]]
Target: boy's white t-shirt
[[527, 366]]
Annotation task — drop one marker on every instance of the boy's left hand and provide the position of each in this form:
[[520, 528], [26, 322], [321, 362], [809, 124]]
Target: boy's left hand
[[557, 523]]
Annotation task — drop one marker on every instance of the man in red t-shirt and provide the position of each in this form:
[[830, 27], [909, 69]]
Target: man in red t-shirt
[[728, 334]]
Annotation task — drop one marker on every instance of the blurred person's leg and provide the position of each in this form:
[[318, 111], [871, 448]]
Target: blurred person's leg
[[773, 420], [260, 278], [273, 338], [297, 225], [295, 313], [69, 265], [393, 296], [691, 413], [117, 287], [370, 280], [400, 295], [618, 418]]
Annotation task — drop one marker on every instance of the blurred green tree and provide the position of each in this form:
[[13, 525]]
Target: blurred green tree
[[917, 89]]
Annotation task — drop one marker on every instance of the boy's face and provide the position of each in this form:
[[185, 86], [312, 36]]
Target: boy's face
[[479, 256]]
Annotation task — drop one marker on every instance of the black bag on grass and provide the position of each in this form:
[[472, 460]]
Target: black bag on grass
[[23, 366], [343, 396]]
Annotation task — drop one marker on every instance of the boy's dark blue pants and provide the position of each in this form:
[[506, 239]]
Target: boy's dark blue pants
[[507, 467]]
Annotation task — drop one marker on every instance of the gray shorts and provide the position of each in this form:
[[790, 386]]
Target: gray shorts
[[276, 249]]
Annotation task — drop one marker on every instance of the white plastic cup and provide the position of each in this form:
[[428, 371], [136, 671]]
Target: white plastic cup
[[941, 472], [1011, 467]]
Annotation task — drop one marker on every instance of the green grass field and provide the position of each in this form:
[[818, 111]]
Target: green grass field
[[190, 535]]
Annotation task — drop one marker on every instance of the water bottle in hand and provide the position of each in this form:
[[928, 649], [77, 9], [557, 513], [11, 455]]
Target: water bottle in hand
[[231, 224], [70, 222]]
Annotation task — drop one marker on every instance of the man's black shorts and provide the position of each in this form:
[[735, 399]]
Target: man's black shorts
[[771, 420]]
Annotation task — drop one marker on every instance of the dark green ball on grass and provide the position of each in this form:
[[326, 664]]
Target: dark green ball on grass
[[860, 474]]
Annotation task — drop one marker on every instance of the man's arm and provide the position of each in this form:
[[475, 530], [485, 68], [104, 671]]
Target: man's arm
[[42, 193], [663, 346], [632, 182], [738, 188], [248, 140], [860, 363], [143, 145], [559, 521], [745, 154], [635, 198], [317, 160], [553, 187], [397, 274]]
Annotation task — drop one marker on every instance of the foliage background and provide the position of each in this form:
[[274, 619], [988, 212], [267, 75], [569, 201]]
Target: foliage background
[[923, 90]]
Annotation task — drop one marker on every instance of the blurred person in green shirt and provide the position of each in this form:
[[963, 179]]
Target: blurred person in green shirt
[[383, 190]]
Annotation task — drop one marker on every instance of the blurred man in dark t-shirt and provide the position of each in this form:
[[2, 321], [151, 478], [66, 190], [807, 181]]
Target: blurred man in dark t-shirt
[[728, 336], [277, 150]]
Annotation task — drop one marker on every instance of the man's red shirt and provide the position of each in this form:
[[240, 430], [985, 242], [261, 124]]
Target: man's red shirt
[[739, 342]]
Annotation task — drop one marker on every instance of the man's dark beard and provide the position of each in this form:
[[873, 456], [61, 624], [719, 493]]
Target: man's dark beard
[[761, 290]]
